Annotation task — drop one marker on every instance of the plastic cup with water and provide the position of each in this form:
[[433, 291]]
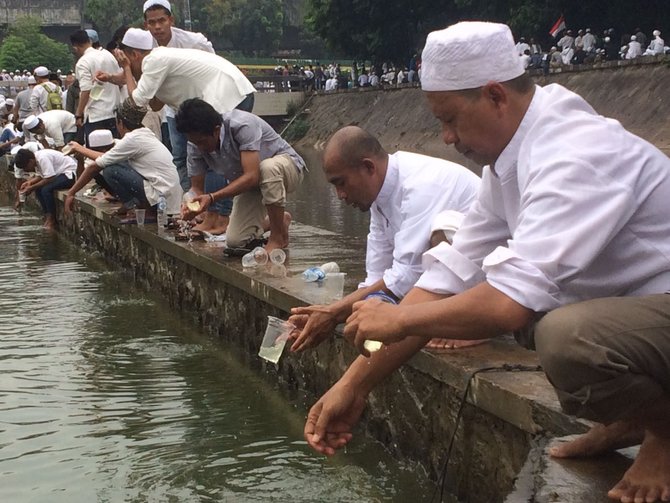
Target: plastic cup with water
[[96, 91], [274, 340], [140, 216]]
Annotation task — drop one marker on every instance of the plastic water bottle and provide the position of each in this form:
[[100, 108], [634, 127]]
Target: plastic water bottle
[[319, 273], [257, 256], [161, 212]]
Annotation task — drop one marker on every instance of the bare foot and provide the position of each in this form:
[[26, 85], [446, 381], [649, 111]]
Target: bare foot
[[600, 439], [207, 223], [453, 344], [49, 223], [648, 479], [280, 241], [220, 225]]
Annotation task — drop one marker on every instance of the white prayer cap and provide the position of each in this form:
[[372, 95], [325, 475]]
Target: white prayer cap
[[150, 3], [468, 55], [100, 138], [138, 39], [9, 101], [633, 37], [657, 33], [31, 80], [41, 71], [31, 122]]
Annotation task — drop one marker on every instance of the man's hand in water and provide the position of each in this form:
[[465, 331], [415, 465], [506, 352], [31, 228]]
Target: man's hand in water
[[331, 419]]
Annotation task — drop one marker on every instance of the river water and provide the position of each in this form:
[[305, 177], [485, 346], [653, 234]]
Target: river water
[[107, 395]]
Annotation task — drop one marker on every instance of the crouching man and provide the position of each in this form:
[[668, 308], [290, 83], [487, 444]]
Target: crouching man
[[54, 170], [260, 166], [404, 193], [137, 170]]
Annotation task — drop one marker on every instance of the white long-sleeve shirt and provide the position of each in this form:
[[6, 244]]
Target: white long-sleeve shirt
[[94, 60], [416, 188], [575, 208], [175, 75], [150, 158]]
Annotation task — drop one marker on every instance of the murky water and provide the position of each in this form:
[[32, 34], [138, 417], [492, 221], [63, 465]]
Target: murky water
[[315, 203], [108, 396]]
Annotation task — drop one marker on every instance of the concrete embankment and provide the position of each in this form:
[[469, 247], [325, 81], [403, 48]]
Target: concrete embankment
[[635, 93], [509, 415]]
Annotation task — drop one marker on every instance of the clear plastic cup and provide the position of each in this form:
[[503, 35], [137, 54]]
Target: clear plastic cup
[[278, 256], [256, 257], [66, 150], [140, 215], [22, 197], [274, 340], [334, 284]]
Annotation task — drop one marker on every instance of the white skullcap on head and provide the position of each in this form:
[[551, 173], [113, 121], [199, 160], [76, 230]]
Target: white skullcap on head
[[657, 33], [150, 3], [138, 39], [468, 55], [31, 80], [100, 138], [633, 37], [31, 121], [41, 71], [9, 101]]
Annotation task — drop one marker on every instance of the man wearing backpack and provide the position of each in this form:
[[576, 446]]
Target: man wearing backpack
[[46, 95]]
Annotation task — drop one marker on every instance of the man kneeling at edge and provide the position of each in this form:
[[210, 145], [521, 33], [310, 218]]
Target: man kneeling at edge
[[567, 246], [404, 193], [137, 170], [260, 166], [55, 172]]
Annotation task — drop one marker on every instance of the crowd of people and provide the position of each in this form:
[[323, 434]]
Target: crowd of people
[[586, 47], [156, 115], [563, 241]]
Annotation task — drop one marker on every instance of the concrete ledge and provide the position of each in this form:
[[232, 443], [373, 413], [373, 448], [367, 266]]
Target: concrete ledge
[[413, 413]]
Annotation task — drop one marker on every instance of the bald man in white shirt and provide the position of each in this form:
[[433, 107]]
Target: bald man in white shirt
[[567, 246], [403, 192]]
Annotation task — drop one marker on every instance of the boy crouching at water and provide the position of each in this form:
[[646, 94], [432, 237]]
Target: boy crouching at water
[[138, 169], [54, 170]]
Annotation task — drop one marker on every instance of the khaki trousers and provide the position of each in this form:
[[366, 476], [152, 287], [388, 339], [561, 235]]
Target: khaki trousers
[[608, 357], [278, 177]]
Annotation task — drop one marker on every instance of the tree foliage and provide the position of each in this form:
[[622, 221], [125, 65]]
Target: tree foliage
[[250, 26], [106, 16], [26, 47]]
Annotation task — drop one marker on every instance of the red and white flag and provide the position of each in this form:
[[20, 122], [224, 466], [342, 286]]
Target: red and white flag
[[558, 27]]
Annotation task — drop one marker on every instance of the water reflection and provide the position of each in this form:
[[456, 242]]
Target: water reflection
[[315, 203], [107, 395]]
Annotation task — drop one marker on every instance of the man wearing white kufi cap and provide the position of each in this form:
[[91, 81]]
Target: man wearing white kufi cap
[[40, 94], [656, 46], [567, 246], [159, 21]]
